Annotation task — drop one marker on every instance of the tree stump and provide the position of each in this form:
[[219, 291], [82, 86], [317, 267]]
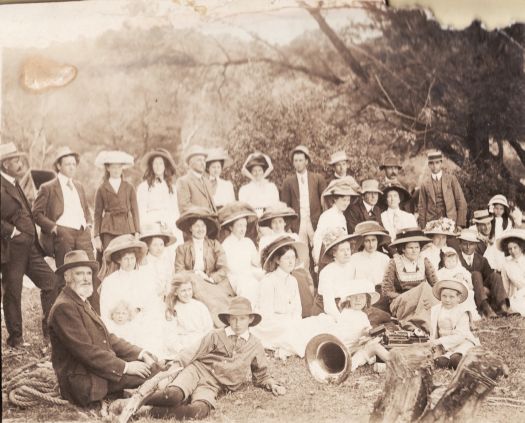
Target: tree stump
[[407, 387], [477, 375]]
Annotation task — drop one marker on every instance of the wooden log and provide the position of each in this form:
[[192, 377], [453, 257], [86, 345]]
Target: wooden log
[[408, 385], [148, 388], [476, 376]]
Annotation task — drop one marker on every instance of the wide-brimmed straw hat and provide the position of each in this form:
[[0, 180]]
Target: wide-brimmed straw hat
[[360, 286], [468, 235], [406, 235], [441, 226], [219, 155], [301, 149], [404, 195], [344, 186], [9, 151], [370, 185], [499, 199], [113, 157], [482, 216], [268, 252], [125, 242], [371, 227], [194, 150], [507, 236], [277, 210], [390, 161], [157, 230], [332, 238], [77, 258], [338, 156], [158, 152], [64, 152], [456, 285], [236, 210], [240, 306], [190, 216]]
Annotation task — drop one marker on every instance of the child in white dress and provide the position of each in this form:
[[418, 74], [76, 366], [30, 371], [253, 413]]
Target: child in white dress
[[450, 323], [187, 320], [453, 269]]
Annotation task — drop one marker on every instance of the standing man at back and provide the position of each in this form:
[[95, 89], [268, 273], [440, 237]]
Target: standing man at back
[[441, 195], [21, 254], [194, 189], [62, 212], [302, 192]]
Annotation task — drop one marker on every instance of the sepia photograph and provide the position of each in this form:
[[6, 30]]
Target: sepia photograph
[[262, 210]]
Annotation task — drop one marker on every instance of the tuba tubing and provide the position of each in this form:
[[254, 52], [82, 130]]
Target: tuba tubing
[[328, 360]]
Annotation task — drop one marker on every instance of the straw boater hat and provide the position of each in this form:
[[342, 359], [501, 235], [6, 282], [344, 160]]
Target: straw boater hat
[[360, 286], [64, 152], [339, 187], [482, 216], [194, 150], [9, 151], [301, 149], [158, 152], [268, 251], [113, 157], [371, 227], [338, 156], [278, 210], [441, 226], [124, 242], [390, 161], [498, 199], [370, 185], [406, 235], [456, 285], [188, 218], [508, 236], [236, 210], [219, 155], [433, 155], [331, 239], [77, 258], [157, 230], [404, 195], [468, 235], [240, 306]]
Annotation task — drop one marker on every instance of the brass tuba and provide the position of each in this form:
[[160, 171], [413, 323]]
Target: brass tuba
[[327, 359]]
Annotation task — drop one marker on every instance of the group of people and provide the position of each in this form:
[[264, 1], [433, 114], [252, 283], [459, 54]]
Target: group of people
[[155, 269]]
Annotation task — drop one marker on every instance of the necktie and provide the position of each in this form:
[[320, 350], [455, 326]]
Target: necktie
[[22, 194], [70, 184], [235, 340]]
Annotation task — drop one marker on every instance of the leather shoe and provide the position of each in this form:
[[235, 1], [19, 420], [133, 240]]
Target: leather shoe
[[17, 342], [487, 311]]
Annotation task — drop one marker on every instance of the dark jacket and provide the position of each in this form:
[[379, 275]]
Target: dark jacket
[[356, 213], [15, 211], [290, 195], [116, 213], [479, 264], [84, 355], [49, 206]]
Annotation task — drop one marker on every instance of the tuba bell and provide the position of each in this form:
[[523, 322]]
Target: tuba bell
[[327, 359]]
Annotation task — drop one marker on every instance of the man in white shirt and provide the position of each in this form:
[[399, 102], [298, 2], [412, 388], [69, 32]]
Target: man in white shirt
[[62, 212]]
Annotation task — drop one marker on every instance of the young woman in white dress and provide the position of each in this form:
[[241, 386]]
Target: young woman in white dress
[[393, 218]]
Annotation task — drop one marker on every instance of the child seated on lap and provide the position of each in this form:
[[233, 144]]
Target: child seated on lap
[[450, 323]]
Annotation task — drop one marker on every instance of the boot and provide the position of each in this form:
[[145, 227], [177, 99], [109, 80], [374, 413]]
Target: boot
[[454, 360], [441, 362], [487, 311]]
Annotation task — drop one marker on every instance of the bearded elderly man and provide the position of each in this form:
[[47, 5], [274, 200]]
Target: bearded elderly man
[[90, 362]]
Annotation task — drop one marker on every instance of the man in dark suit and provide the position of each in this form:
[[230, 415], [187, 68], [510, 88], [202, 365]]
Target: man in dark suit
[[489, 291], [302, 192], [194, 189], [21, 253], [62, 212], [482, 220], [89, 361], [441, 195], [366, 208]]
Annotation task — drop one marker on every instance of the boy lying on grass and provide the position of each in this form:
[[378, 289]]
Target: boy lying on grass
[[220, 363]]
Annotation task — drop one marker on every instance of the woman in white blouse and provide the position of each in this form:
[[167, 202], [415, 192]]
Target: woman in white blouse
[[335, 199], [156, 194], [393, 218], [259, 192], [512, 243], [223, 192]]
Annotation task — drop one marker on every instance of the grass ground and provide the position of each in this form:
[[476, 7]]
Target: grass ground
[[306, 399]]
